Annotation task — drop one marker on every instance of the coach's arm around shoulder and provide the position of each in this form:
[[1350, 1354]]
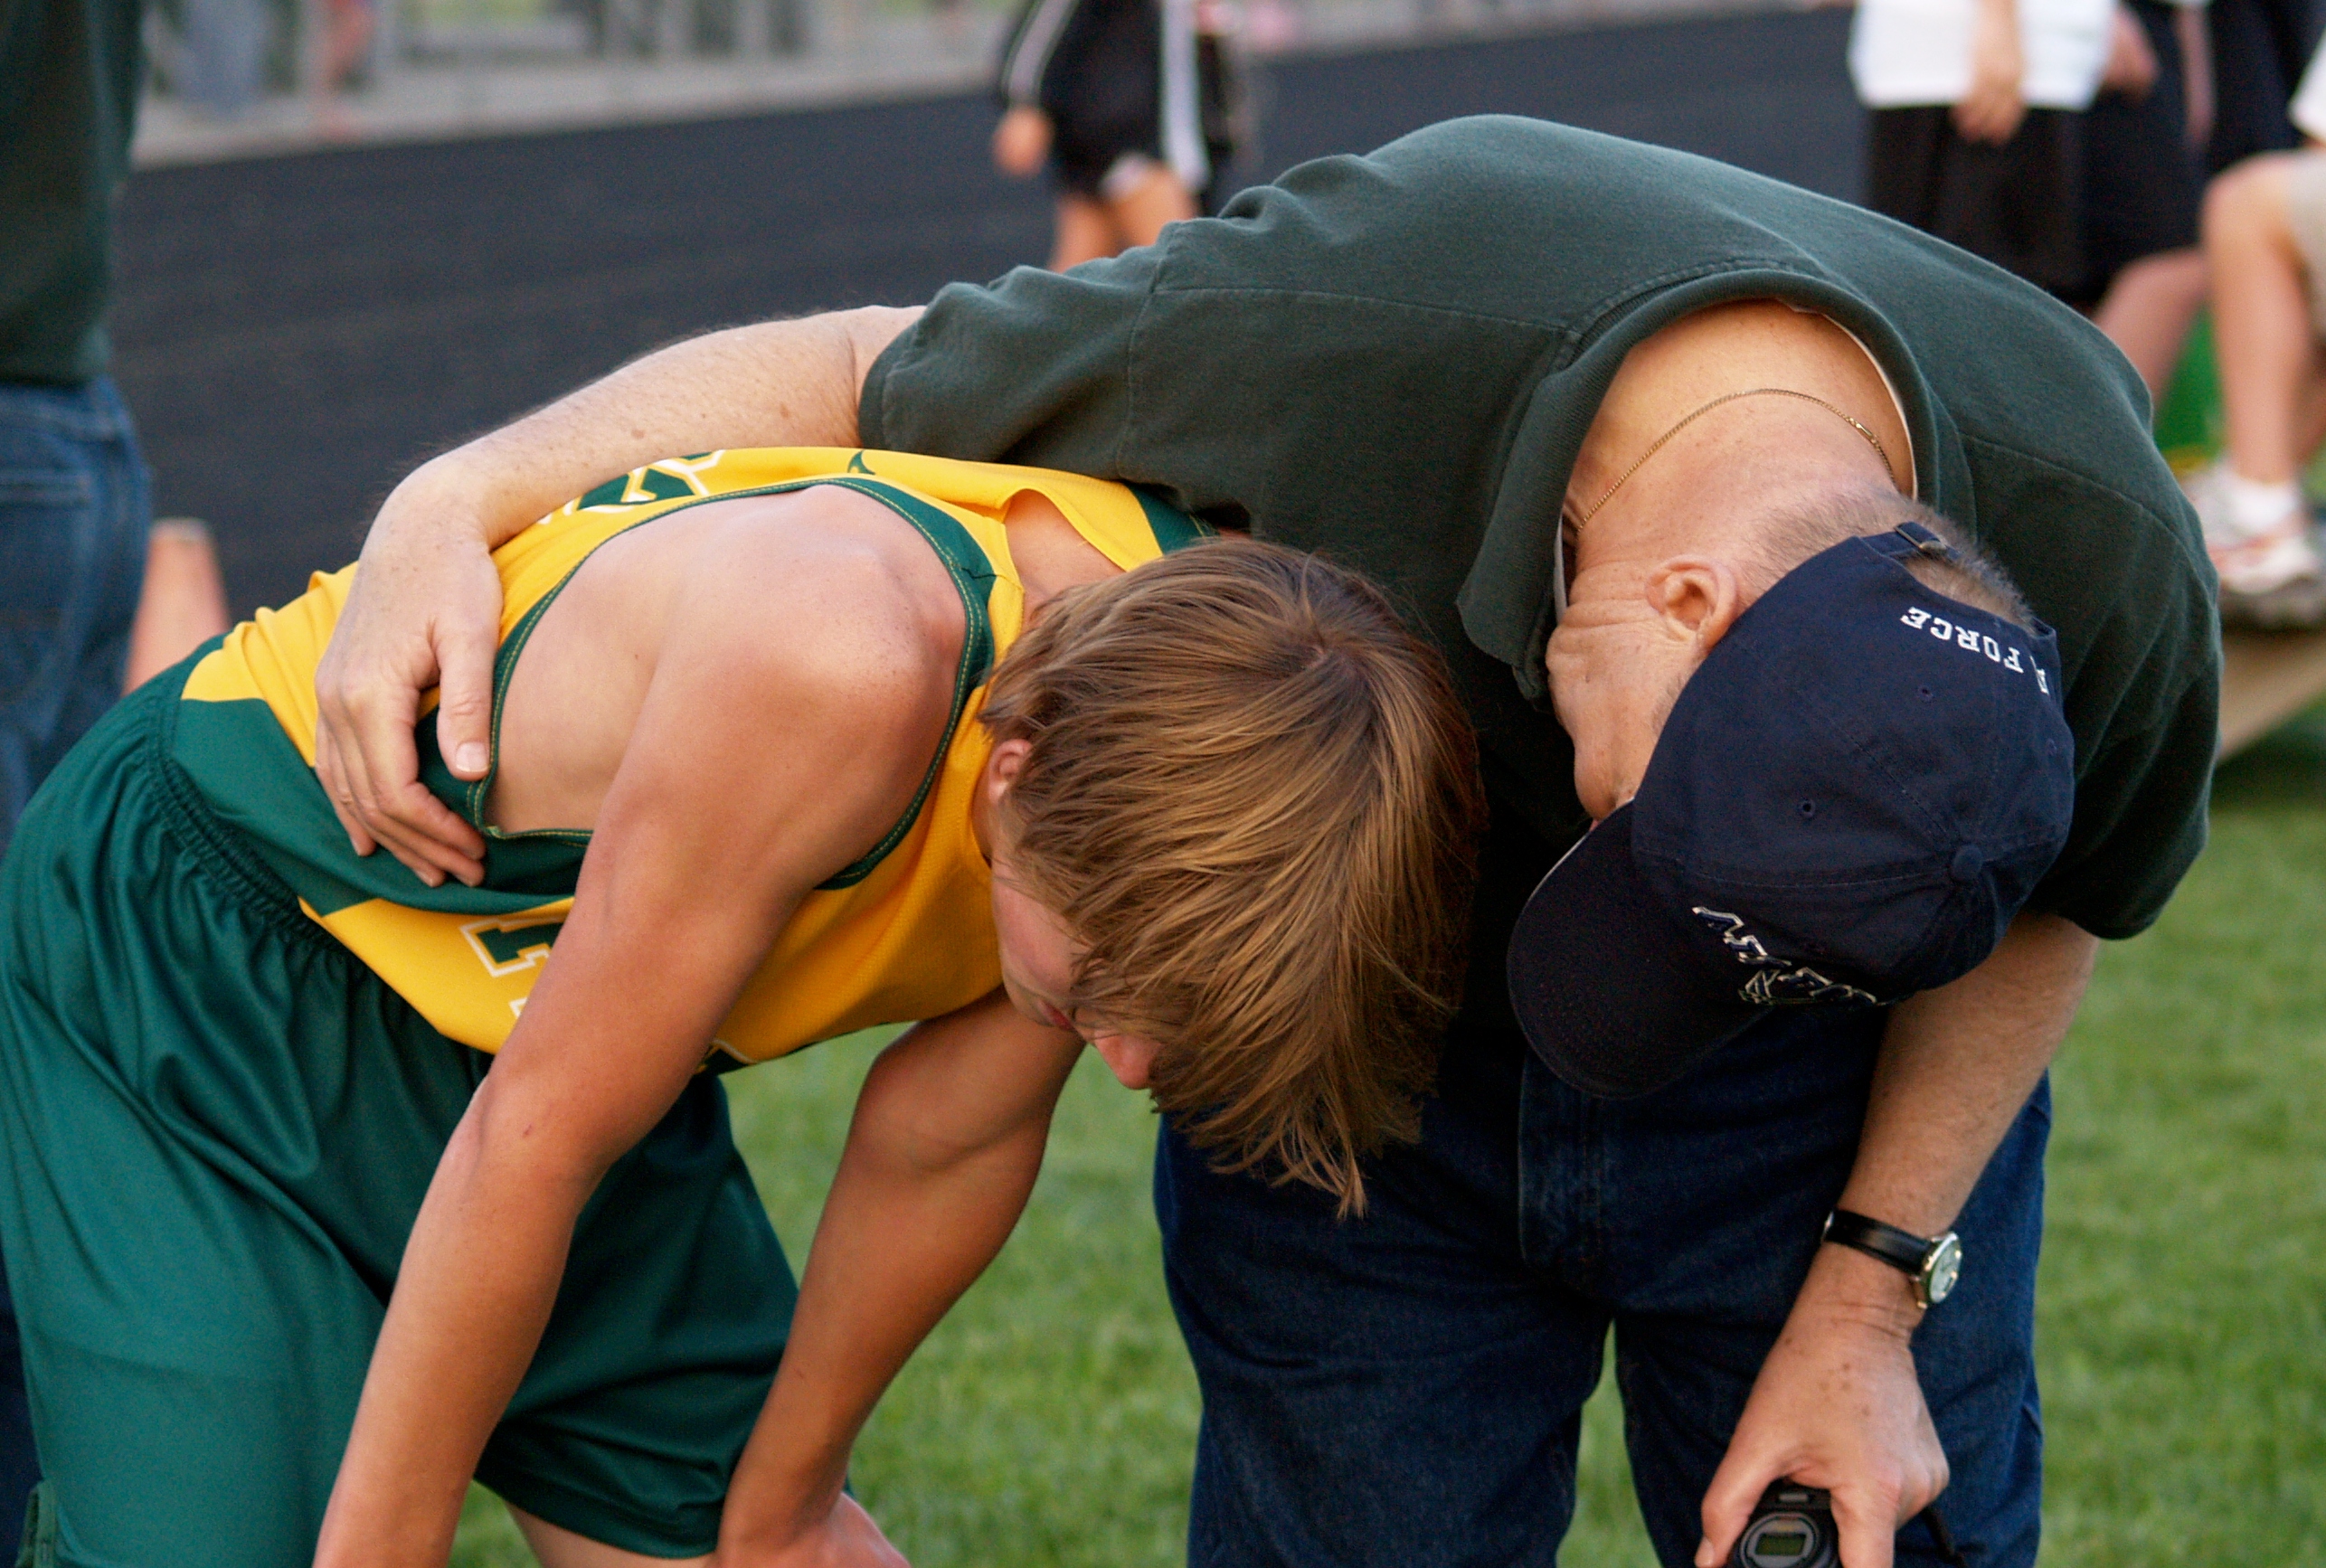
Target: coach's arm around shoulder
[[1837, 1404], [791, 384]]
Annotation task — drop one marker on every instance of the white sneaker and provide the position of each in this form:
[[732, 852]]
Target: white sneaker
[[2266, 563], [2252, 559]]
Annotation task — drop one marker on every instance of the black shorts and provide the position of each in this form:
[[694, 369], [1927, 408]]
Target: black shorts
[[2015, 205], [2259, 49], [1101, 168], [1103, 92]]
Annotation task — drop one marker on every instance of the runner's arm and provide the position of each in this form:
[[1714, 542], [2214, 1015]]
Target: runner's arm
[[1837, 1404], [425, 610], [947, 1140], [706, 839]]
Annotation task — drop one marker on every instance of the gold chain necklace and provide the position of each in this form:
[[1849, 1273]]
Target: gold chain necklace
[[1759, 392]]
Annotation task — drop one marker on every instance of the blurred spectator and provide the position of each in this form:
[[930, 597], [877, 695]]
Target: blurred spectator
[[2144, 149], [1975, 135], [345, 48], [2259, 48], [72, 488], [2264, 231], [72, 491], [1974, 132], [1130, 103], [222, 59]]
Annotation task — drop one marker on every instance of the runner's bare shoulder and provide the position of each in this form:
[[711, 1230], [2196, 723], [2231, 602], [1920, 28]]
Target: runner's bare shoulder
[[795, 653]]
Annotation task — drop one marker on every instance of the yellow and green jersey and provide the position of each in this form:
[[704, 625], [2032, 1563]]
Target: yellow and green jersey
[[905, 932]]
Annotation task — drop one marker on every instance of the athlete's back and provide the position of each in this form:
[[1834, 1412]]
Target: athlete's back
[[573, 702], [781, 649], [826, 593]]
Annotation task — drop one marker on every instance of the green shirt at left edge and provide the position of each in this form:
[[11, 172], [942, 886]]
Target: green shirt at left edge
[[68, 76]]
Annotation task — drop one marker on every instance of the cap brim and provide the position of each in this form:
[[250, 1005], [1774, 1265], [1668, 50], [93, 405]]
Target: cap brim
[[1614, 998]]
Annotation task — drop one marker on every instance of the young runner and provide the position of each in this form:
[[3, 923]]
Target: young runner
[[782, 750]]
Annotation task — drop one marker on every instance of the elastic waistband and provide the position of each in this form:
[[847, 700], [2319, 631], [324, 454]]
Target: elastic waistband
[[219, 848]]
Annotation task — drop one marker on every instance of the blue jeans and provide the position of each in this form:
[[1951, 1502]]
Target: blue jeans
[[73, 514], [1405, 1389]]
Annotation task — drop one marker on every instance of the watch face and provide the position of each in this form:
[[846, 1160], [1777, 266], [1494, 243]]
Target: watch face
[[1940, 1268]]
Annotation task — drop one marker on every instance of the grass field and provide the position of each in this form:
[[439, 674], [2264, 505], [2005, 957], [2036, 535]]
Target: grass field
[[1049, 1421]]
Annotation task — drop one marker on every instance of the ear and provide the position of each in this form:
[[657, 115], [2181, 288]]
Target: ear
[[1003, 764], [1699, 598]]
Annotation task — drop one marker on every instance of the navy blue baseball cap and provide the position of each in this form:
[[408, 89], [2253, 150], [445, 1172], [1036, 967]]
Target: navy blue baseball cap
[[1854, 795]]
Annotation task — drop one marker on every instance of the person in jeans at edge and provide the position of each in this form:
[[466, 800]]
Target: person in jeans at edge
[[1647, 372], [73, 508]]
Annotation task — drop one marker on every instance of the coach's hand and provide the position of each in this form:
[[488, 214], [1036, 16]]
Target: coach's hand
[[847, 1537], [1837, 1406], [424, 613]]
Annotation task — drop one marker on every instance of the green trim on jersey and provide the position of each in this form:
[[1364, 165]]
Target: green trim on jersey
[[1174, 530], [275, 801], [964, 561]]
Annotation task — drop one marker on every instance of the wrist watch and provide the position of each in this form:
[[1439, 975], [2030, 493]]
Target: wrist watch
[[1933, 1263]]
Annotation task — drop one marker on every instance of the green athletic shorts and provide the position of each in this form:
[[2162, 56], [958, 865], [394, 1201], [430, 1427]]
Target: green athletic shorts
[[216, 1127]]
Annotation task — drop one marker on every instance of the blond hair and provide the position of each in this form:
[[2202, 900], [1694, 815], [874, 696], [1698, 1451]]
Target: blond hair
[[1254, 798]]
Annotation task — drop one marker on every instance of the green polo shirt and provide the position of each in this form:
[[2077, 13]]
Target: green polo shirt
[[68, 75], [1394, 359]]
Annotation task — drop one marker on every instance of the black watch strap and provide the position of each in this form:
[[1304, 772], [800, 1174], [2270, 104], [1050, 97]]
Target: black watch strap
[[1902, 1250], [1933, 1263]]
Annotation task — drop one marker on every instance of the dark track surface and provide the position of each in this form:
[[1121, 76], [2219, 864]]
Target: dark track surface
[[295, 332]]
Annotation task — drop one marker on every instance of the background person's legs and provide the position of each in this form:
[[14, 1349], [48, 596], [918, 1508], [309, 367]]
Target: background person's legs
[[73, 516], [1135, 198], [1086, 232], [1144, 196], [2263, 222], [2259, 48], [2017, 205], [347, 42], [2149, 309], [2262, 328]]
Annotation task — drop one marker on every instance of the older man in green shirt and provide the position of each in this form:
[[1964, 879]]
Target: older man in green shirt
[[1531, 379]]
